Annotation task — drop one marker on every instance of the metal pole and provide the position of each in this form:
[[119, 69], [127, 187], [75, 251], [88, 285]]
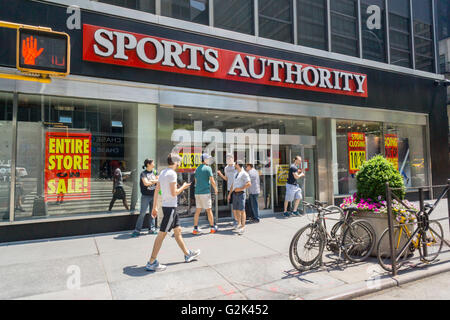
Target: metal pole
[[421, 199], [12, 190], [391, 229], [422, 208]]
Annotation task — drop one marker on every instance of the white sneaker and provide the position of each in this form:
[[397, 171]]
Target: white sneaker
[[237, 227], [241, 231]]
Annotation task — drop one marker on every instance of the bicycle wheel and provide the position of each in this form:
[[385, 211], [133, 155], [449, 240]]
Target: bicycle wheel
[[432, 240], [357, 242], [383, 249], [307, 247]]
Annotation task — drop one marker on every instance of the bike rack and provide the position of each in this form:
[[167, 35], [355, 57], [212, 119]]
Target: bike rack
[[390, 195]]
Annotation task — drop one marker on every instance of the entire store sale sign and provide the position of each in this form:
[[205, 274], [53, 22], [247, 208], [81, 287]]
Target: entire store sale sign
[[124, 48], [356, 151], [67, 166]]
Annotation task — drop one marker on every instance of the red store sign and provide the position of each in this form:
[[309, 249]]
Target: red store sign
[[105, 45]]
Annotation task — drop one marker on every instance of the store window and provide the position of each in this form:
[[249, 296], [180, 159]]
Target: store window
[[189, 10], [373, 26], [356, 141], [6, 134], [210, 131], [141, 5], [312, 23], [423, 35], [411, 159], [400, 32], [344, 27], [69, 149], [275, 20], [235, 15]]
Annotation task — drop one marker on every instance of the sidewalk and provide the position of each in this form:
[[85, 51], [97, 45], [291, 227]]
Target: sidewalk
[[252, 266]]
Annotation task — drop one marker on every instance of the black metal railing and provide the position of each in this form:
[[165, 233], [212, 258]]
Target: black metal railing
[[390, 196]]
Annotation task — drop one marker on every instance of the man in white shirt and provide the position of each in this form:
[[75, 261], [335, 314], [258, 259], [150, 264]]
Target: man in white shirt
[[167, 183], [240, 183], [230, 173]]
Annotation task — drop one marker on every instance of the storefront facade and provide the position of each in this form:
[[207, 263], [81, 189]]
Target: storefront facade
[[140, 89]]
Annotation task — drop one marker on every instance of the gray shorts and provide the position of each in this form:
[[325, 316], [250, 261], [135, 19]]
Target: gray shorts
[[293, 192], [239, 201]]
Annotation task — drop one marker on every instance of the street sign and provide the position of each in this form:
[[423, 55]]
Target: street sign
[[44, 52]]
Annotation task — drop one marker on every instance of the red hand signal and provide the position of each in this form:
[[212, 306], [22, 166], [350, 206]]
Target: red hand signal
[[29, 50]]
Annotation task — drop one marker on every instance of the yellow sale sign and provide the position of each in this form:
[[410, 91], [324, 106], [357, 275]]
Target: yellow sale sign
[[356, 151]]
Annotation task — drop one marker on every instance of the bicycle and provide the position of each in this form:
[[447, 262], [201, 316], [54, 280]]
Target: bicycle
[[356, 239], [427, 237]]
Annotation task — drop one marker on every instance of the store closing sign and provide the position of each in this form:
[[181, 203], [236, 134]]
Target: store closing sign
[[391, 149], [105, 45], [67, 166], [356, 151]]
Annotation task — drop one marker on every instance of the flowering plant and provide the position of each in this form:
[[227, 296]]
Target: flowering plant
[[401, 213]]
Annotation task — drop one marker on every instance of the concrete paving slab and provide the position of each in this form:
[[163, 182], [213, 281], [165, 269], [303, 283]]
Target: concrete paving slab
[[226, 291], [255, 272], [95, 292], [46, 250], [130, 264], [229, 248], [166, 284], [28, 279]]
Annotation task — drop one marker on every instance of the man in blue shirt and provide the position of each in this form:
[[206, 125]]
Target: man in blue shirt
[[203, 182]]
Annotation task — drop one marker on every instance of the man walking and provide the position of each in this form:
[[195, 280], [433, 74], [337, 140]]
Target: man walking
[[253, 192], [240, 183], [230, 173], [293, 191], [203, 181], [167, 183]]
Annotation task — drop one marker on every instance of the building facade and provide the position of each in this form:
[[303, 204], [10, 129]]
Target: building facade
[[336, 81]]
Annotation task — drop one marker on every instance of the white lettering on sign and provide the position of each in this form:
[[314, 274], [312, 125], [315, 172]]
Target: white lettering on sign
[[142, 51]]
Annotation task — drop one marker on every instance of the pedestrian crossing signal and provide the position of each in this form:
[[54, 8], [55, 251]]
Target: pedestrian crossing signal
[[42, 51]]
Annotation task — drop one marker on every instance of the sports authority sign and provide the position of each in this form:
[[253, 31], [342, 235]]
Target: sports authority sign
[[105, 45]]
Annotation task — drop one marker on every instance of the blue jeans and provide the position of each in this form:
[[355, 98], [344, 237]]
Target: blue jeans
[[146, 203], [253, 203]]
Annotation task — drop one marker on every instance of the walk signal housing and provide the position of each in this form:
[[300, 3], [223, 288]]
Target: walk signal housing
[[43, 52]]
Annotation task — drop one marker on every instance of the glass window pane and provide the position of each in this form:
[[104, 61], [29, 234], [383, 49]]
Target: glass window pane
[[235, 15], [67, 183], [412, 162], [372, 134], [190, 10], [344, 27], [141, 5], [423, 35], [400, 32], [6, 133], [312, 23], [275, 20], [373, 30]]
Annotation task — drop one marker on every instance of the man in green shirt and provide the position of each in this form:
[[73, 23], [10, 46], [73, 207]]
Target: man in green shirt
[[203, 182]]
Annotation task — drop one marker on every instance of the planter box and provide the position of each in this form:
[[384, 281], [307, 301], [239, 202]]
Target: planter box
[[379, 223]]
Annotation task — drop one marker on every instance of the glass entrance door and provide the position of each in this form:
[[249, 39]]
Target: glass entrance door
[[282, 162]]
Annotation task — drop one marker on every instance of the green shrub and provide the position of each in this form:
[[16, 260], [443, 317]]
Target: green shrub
[[372, 177]]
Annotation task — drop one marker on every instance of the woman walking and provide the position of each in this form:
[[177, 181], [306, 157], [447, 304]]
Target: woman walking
[[147, 182]]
